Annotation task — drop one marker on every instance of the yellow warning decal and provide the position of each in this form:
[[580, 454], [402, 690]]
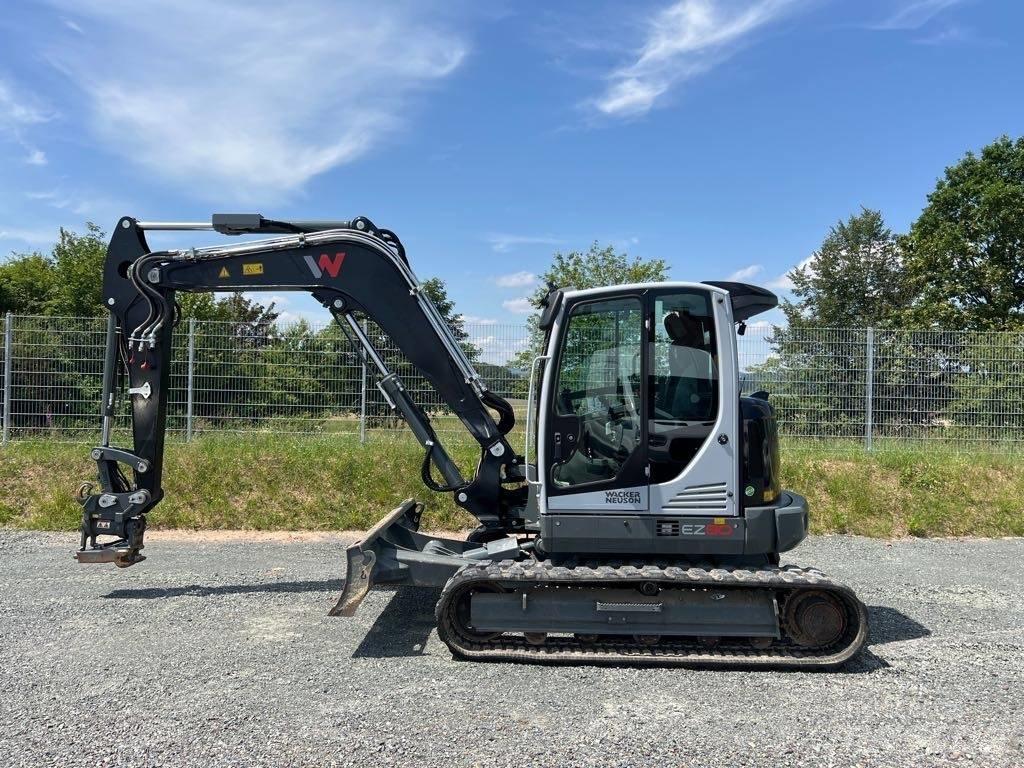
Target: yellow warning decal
[[252, 269], [224, 272], [719, 520]]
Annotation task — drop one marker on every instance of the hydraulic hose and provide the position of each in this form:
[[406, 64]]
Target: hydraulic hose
[[507, 416], [428, 480]]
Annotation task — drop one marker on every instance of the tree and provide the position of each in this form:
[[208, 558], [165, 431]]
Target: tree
[[437, 292], [68, 282], [856, 278], [27, 284], [245, 318], [78, 267], [378, 411], [596, 268], [965, 253], [577, 270]]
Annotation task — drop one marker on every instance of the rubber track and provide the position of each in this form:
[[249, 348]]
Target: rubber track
[[624, 650]]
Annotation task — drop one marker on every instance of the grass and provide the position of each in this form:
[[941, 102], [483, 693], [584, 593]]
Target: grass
[[932, 490], [267, 482]]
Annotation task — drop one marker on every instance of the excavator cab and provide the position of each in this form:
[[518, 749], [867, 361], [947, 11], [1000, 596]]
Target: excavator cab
[[643, 520], [644, 444]]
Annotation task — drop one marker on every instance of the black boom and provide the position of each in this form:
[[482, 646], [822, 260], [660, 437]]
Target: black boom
[[350, 267]]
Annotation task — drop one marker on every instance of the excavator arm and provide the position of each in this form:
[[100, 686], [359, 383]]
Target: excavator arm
[[352, 268]]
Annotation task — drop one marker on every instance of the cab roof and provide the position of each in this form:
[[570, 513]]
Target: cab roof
[[747, 300]]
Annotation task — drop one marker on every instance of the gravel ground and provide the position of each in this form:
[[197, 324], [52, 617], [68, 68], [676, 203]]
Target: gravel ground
[[219, 652]]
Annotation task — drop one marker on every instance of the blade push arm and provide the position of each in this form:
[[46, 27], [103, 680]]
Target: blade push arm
[[351, 267]]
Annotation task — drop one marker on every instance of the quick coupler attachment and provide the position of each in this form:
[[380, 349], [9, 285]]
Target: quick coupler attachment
[[119, 515]]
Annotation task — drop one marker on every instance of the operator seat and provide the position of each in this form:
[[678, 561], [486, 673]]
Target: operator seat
[[692, 369]]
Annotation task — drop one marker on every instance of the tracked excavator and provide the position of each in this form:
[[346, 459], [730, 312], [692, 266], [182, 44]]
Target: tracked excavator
[[643, 520]]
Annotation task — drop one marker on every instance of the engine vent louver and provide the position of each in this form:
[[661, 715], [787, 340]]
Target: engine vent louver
[[712, 498]]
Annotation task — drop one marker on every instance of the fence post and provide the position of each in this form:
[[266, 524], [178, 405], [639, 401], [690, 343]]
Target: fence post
[[362, 393], [869, 389], [189, 382], [8, 362]]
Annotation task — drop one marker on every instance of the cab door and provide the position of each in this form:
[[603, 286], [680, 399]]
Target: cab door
[[595, 433], [693, 403]]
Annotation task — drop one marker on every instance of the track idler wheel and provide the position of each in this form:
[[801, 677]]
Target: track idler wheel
[[814, 619]]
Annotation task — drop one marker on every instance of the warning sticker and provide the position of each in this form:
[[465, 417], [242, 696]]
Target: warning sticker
[[252, 269], [224, 272]]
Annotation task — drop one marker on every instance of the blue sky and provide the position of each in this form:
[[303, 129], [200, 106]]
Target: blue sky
[[724, 136]]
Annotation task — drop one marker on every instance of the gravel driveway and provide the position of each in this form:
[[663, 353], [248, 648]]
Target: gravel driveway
[[218, 651]]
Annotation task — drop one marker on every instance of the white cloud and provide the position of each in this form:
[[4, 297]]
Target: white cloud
[[914, 15], [30, 236], [289, 311], [477, 320], [502, 242], [17, 109], [519, 306], [952, 34], [684, 40], [18, 113], [250, 99], [499, 349], [286, 318], [288, 314], [631, 96], [81, 202], [746, 273], [783, 282], [516, 280]]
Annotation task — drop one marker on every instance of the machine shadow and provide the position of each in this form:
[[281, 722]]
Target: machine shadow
[[885, 625], [401, 629], [404, 625], [202, 590], [888, 625]]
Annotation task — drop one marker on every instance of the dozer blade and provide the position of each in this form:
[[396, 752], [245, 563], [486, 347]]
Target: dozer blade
[[394, 551], [357, 582], [362, 557]]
